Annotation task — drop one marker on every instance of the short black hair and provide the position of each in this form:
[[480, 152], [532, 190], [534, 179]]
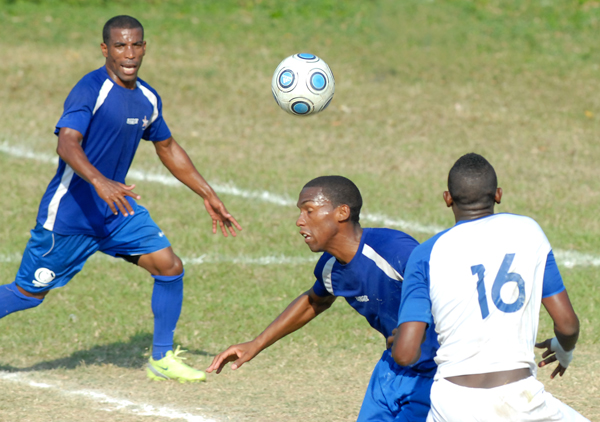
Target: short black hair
[[121, 22], [340, 191], [472, 182]]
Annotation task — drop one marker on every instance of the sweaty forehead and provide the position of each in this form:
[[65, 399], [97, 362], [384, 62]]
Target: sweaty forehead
[[312, 195], [126, 34]]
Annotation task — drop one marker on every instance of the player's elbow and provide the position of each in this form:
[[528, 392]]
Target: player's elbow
[[567, 326], [319, 303], [61, 150], [406, 349], [322, 307], [403, 355]]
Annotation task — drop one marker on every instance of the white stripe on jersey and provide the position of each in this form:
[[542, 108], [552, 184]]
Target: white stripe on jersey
[[153, 100], [102, 94], [383, 265], [327, 274], [60, 192], [67, 176]]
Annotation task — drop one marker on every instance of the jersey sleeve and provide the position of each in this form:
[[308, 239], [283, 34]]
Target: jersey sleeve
[[319, 289], [158, 129], [553, 282], [78, 108], [416, 304], [319, 286]]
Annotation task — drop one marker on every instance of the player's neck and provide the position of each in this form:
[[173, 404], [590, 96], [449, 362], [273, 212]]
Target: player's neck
[[467, 215], [345, 244]]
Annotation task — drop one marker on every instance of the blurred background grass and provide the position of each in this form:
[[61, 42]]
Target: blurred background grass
[[418, 84]]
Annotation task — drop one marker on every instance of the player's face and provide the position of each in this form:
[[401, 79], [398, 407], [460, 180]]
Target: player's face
[[318, 220], [124, 53]]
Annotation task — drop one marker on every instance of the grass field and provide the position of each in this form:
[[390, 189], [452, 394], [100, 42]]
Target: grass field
[[418, 83]]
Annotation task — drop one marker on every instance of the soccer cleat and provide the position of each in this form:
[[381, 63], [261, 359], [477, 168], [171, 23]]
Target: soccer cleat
[[171, 368]]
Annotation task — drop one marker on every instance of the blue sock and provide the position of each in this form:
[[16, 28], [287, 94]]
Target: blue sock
[[12, 300], [167, 298]]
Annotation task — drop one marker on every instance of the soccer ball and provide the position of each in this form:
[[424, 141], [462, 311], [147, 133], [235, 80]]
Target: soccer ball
[[303, 84]]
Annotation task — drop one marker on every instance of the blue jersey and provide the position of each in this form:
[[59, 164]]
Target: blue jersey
[[112, 120], [372, 283]]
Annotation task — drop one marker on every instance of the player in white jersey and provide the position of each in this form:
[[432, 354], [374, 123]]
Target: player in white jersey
[[482, 283]]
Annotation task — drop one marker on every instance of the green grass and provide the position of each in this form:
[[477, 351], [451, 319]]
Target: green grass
[[418, 84]]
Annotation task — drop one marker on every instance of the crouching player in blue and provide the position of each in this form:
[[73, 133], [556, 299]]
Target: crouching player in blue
[[366, 267], [88, 207]]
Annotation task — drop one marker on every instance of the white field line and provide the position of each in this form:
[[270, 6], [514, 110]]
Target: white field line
[[164, 179], [208, 259], [565, 258], [111, 403]]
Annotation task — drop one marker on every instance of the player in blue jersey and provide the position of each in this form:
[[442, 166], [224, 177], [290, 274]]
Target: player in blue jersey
[[365, 266], [88, 207], [482, 282]]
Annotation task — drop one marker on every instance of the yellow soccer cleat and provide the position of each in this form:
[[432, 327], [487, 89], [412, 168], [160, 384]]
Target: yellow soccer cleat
[[171, 367]]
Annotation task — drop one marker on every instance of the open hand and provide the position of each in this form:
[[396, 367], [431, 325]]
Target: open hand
[[114, 194], [550, 356], [240, 353], [220, 216]]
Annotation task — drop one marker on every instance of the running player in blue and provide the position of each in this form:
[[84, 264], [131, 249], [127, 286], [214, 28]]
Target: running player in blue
[[482, 282], [88, 207], [365, 266]]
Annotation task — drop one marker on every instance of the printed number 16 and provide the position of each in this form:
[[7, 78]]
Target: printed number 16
[[502, 278]]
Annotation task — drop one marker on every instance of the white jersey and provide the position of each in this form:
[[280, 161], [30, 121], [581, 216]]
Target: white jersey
[[485, 280]]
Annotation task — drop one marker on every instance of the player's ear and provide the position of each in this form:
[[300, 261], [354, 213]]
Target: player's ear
[[104, 49], [448, 199], [498, 195], [343, 213]]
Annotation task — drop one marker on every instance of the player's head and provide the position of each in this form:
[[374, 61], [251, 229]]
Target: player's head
[[120, 22], [472, 184], [339, 191], [124, 48], [327, 204]]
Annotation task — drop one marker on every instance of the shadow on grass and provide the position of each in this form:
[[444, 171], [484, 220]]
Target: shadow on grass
[[124, 354]]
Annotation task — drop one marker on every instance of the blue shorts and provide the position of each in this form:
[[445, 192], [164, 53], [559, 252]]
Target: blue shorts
[[396, 393], [50, 259]]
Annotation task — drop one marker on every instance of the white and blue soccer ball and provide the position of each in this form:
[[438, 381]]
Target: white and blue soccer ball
[[303, 84]]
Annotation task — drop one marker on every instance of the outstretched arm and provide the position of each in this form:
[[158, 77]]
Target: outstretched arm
[[180, 165], [566, 329], [113, 193], [302, 310]]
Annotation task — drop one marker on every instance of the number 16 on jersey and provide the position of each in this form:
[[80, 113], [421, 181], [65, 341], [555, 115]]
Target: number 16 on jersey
[[502, 278]]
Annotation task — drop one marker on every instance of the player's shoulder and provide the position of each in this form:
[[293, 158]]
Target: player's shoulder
[[423, 251], [385, 238], [503, 227], [146, 85], [321, 263], [95, 78], [92, 82], [517, 219], [393, 246], [513, 224]]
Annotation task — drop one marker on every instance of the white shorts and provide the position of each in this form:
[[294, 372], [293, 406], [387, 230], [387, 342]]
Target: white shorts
[[524, 400]]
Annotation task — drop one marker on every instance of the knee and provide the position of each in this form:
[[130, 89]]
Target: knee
[[39, 295], [170, 266], [176, 267], [162, 263]]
